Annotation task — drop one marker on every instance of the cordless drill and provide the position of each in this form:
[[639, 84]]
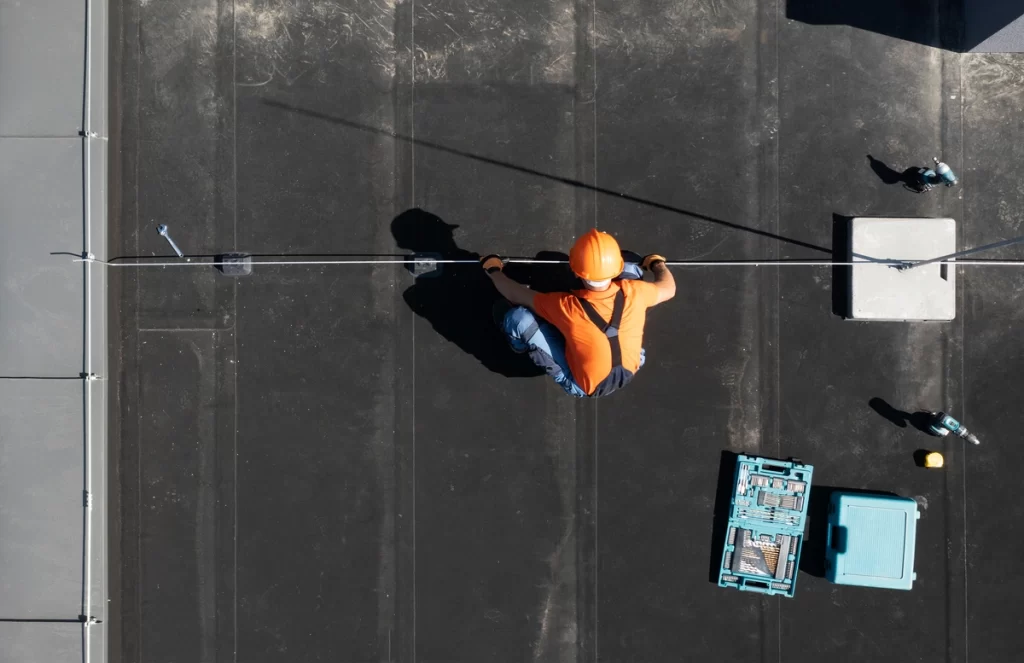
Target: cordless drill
[[941, 174], [943, 424]]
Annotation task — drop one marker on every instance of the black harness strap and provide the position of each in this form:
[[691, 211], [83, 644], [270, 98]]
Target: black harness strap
[[611, 327]]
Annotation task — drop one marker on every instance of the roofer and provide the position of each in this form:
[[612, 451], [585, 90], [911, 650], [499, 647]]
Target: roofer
[[589, 340]]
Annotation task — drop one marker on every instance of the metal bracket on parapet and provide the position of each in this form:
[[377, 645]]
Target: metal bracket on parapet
[[425, 265], [234, 264]]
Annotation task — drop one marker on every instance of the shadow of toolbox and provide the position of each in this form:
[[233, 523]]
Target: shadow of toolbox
[[766, 525]]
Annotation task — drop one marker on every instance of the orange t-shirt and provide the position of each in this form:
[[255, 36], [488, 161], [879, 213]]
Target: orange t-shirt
[[587, 349]]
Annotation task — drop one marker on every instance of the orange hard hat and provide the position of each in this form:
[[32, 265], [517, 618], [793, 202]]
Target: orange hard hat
[[596, 256]]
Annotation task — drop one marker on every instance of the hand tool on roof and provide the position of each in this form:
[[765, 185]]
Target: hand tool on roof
[[929, 178], [162, 229], [943, 424]]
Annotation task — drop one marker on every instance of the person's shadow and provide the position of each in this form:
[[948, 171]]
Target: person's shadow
[[910, 178], [921, 420], [458, 299]]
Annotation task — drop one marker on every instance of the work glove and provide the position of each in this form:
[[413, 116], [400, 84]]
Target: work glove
[[649, 261], [492, 263]]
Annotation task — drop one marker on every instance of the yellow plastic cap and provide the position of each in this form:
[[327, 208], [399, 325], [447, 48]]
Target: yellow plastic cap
[[934, 459]]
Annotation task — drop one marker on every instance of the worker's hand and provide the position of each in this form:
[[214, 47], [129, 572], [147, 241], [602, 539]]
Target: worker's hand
[[650, 260], [492, 263]]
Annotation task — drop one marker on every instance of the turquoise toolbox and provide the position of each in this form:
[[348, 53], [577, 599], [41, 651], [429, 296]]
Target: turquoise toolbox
[[766, 525], [871, 540]]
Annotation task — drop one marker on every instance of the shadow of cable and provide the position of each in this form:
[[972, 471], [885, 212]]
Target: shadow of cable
[[276, 256], [537, 173]]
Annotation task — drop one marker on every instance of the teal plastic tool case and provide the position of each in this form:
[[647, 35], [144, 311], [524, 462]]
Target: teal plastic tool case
[[766, 525]]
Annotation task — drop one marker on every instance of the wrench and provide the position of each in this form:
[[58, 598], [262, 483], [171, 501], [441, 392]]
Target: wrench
[[162, 229]]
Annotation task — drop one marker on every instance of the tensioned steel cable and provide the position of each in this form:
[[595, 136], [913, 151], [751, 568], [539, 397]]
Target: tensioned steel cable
[[189, 262], [425, 258]]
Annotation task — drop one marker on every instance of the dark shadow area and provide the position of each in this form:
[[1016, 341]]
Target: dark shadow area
[[929, 22], [884, 172], [723, 503], [918, 420], [841, 274], [537, 173], [910, 178], [812, 553], [457, 299], [984, 18], [956, 25], [545, 277]]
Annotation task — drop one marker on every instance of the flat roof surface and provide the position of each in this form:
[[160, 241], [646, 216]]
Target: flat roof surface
[[337, 462]]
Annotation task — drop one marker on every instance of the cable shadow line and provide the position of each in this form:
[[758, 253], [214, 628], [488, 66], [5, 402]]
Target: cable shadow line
[[195, 256], [537, 173], [40, 377], [7, 620]]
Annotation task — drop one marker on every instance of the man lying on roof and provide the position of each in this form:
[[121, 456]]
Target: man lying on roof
[[590, 340]]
